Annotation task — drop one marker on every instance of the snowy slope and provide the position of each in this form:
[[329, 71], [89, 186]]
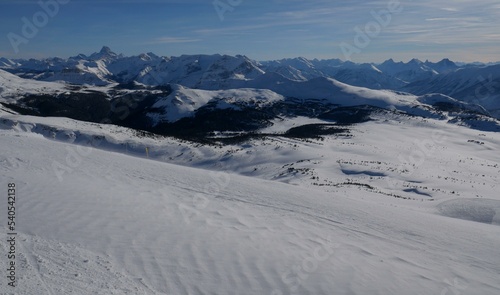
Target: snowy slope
[[321, 88], [128, 69], [272, 90], [115, 224], [13, 87], [417, 158], [300, 69], [366, 75], [184, 102], [480, 85], [249, 106], [342, 94]]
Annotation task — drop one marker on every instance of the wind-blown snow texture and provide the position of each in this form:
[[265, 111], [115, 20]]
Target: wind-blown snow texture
[[307, 176], [342, 214]]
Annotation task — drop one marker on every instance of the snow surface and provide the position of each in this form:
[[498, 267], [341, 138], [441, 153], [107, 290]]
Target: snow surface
[[183, 102], [92, 221], [13, 87]]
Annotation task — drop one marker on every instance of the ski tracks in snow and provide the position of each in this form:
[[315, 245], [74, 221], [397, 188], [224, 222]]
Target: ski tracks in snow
[[63, 268]]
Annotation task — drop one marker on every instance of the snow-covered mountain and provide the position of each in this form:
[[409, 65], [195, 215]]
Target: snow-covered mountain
[[129, 69], [6, 63], [192, 84], [106, 67], [387, 75], [414, 70], [248, 106], [215, 72], [363, 75], [442, 67], [479, 85], [196, 114], [185, 102], [300, 69], [12, 87], [200, 71], [211, 71], [106, 55], [76, 71]]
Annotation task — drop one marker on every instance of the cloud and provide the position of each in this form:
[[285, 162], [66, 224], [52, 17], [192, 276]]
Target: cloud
[[450, 9], [172, 40]]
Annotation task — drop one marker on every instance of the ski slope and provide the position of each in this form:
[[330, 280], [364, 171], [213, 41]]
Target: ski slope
[[111, 223]]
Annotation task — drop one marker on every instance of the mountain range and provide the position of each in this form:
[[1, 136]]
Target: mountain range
[[201, 94], [106, 66]]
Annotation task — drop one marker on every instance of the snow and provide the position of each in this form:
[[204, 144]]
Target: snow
[[210, 72], [95, 221], [281, 125], [396, 205], [414, 70], [479, 210], [478, 85], [12, 87], [183, 102]]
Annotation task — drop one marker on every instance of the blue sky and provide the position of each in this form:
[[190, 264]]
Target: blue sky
[[463, 30]]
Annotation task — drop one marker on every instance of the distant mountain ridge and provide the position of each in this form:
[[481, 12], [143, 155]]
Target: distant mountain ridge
[[205, 71], [174, 93]]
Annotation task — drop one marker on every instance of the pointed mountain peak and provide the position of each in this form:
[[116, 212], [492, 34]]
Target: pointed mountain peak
[[106, 49], [148, 56], [105, 53], [415, 61], [446, 61], [389, 62], [80, 56]]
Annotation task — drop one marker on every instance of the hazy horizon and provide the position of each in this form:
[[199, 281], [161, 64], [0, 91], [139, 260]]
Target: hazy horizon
[[368, 31], [258, 60]]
